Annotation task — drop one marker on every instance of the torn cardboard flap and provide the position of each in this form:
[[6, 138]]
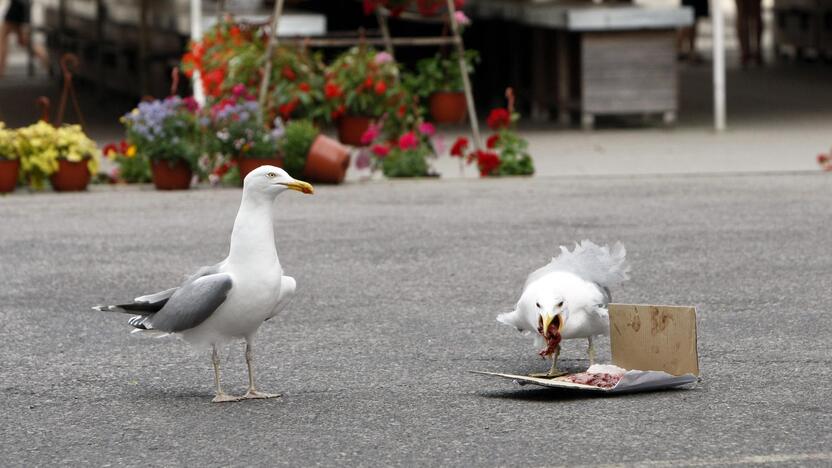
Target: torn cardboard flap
[[655, 344]]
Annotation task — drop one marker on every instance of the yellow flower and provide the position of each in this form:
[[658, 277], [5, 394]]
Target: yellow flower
[[131, 151]]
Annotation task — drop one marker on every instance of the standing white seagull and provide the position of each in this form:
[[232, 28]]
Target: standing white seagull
[[567, 299], [229, 300]]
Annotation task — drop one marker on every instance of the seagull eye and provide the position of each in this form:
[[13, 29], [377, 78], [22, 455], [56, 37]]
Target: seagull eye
[[537, 304], [271, 175], [560, 304]]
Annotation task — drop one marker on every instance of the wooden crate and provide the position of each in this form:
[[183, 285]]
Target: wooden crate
[[632, 72]]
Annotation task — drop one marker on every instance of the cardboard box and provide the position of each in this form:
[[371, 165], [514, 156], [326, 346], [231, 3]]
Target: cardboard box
[[655, 344]]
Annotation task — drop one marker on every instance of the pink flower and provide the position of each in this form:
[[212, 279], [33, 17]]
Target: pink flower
[[370, 134], [238, 90], [190, 104], [382, 58], [408, 140], [427, 128], [462, 19]]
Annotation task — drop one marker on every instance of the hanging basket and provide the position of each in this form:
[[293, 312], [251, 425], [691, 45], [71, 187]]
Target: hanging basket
[[171, 175], [448, 107], [9, 170], [351, 127], [247, 164], [71, 176], [327, 161]]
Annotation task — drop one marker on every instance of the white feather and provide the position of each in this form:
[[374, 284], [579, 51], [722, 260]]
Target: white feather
[[600, 265]]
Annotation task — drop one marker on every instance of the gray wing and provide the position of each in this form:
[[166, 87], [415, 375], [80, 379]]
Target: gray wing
[[189, 305], [150, 303]]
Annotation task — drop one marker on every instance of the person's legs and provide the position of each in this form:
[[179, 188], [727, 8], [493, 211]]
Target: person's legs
[[742, 31], [24, 37], [6, 30], [757, 16]]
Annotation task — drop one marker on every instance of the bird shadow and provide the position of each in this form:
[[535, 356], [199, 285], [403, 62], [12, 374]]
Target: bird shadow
[[567, 394]]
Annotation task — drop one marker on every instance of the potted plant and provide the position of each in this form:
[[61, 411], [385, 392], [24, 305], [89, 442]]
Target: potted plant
[[405, 156], [9, 163], [317, 157], [165, 133], [361, 85], [238, 133], [506, 151], [438, 81], [130, 166], [65, 156]]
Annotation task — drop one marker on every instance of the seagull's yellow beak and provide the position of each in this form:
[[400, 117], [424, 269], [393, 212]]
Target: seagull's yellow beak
[[300, 186], [557, 318]]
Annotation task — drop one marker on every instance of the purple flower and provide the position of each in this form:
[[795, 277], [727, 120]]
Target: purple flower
[[382, 58]]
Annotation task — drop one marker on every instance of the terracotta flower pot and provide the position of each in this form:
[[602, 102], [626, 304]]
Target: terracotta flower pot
[[171, 175], [9, 169], [448, 107], [71, 176], [327, 161], [351, 127], [247, 165]]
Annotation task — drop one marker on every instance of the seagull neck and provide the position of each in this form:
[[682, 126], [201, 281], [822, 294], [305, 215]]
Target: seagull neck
[[252, 239]]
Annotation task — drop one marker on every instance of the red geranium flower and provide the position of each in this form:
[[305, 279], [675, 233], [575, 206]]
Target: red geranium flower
[[304, 87], [822, 159], [381, 87], [381, 150], [408, 140], [402, 110], [331, 90], [338, 112], [498, 118], [459, 147], [111, 148], [492, 141], [487, 161], [287, 109], [288, 73], [368, 82]]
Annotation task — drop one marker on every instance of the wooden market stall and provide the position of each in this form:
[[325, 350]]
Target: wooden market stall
[[598, 59]]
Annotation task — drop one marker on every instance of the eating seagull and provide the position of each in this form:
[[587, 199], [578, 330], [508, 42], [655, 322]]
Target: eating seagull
[[229, 300], [568, 298]]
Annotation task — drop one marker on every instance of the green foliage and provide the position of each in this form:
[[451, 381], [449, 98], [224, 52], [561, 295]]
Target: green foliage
[[295, 143], [410, 162], [514, 157], [439, 73], [8, 146], [133, 170]]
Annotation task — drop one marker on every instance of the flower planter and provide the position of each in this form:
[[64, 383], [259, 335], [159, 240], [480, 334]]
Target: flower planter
[[448, 107], [351, 127], [9, 170], [327, 161], [171, 175], [247, 165], [71, 176]]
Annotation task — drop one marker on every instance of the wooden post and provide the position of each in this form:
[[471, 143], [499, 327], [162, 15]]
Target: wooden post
[[196, 35], [385, 32], [143, 85], [267, 71], [466, 81], [719, 65]]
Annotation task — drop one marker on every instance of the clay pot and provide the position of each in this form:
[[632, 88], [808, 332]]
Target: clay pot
[[247, 165], [71, 176], [351, 127], [327, 161], [171, 175], [448, 107], [9, 169]]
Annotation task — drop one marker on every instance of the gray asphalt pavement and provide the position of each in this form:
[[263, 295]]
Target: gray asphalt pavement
[[398, 287]]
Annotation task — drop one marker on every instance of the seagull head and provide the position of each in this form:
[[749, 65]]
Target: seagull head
[[551, 315], [274, 180]]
